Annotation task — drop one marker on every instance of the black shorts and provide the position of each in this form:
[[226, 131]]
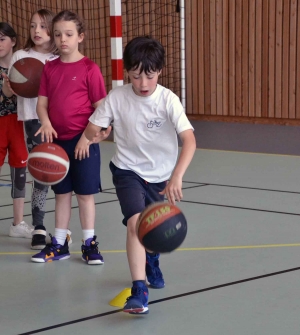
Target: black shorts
[[84, 175], [134, 193]]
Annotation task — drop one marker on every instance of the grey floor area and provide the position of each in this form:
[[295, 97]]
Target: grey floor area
[[237, 272]]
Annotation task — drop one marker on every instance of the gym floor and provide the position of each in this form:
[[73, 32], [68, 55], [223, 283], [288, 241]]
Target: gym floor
[[237, 271]]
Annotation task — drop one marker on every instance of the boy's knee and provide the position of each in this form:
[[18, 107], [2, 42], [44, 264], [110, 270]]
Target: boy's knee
[[132, 224]]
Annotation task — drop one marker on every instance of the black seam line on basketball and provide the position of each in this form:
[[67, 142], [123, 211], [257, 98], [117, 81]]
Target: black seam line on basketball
[[244, 187], [162, 300], [71, 322], [237, 207], [224, 285]]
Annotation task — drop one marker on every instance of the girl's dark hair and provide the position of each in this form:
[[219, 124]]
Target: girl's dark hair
[[144, 52], [46, 16], [7, 30], [67, 15]]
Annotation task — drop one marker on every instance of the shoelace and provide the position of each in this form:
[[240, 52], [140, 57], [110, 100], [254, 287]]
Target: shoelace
[[136, 292], [91, 247], [25, 226], [50, 247], [156, 272]]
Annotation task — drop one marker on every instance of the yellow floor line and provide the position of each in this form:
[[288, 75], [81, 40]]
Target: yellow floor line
[[179, 249], [242, 247]]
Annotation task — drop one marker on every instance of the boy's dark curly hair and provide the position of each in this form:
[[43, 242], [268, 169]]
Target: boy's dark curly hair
[[145, 53]]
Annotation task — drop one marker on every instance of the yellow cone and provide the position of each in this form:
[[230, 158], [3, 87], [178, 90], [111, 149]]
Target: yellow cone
[[119, 300]]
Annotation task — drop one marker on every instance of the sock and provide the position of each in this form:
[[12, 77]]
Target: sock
[[60, 235], [152, 254], [135, 282], [88, 233]]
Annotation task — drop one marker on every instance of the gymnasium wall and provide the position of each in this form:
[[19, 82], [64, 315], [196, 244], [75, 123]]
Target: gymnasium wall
[[242, 56], [243, 60], [159, 18]]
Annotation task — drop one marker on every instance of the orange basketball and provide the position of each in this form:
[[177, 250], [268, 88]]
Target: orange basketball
[[25, 76], [161, 227], [48, 163]]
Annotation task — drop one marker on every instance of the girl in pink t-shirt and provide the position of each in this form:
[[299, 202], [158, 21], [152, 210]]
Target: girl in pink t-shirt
[[71, 88]]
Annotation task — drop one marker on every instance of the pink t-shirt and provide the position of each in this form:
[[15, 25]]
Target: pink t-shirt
[[71, 89]]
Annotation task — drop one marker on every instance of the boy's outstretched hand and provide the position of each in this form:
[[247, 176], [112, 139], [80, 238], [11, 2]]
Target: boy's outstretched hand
[[101, 135], [173, 190]]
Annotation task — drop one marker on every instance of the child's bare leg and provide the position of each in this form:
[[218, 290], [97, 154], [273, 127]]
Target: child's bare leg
[[87, 214], [137, 303], [18, 179], [63, 210], [135, 251], [18, 210], [19, 228]]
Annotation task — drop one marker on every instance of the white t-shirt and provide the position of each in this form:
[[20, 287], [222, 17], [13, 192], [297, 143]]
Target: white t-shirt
[[26, 107], [145, 130]]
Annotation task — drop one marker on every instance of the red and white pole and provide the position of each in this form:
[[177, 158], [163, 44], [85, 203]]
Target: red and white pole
[[116, 42]]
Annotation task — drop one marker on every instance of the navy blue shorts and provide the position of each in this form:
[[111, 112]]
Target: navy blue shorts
[[133, 192], [83, 176]]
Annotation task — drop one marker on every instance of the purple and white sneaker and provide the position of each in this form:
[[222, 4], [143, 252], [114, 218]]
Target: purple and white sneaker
[[90, 252], [52, 252]]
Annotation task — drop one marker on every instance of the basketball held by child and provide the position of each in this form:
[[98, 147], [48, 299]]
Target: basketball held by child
[[161, 227], [48, 163], [25, 76]]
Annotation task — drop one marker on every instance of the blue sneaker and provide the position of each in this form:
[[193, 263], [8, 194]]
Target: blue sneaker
[[52, 252], [153, 273], [137, 303], [90, 253]]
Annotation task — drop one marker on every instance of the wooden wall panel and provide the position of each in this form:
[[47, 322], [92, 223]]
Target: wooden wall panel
[[297, 76], [251, 56], [258, 57], [292, 63]]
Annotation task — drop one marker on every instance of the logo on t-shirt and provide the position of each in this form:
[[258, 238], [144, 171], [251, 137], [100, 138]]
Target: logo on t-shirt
[[153, 123]]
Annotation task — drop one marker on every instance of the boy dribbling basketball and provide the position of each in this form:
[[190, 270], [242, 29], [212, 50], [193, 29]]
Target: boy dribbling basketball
[[147, 118]]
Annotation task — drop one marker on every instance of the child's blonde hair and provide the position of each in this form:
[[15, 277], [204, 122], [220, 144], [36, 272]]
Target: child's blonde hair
[[46, 16]]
